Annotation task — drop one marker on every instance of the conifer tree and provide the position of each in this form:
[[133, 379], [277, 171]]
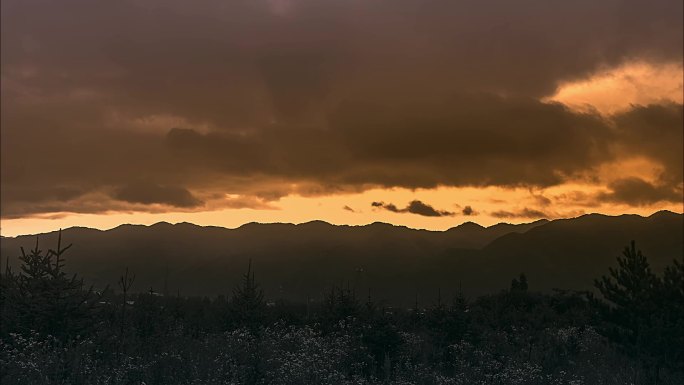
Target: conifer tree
[[631, 284], [8, 294], [633, 308], [247, 305], [46, 299], [672, 312]]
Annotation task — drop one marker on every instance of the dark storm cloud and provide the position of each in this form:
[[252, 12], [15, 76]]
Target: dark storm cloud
[[414, 207], [470, 140], [317, 97], [236, 63], [465, 140], [638, 192], [149, 193], [468, 211], [524, 213]]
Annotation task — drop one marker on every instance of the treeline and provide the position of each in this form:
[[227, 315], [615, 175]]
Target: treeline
[[56, 330]]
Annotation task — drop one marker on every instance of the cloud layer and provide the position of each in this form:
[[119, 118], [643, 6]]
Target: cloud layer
[[414, 207], [140, 106]]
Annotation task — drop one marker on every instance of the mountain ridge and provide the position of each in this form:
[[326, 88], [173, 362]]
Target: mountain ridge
[[293, 261], [462, 225]]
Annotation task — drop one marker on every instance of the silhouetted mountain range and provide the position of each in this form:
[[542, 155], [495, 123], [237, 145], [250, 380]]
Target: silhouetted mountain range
[[396, 263]]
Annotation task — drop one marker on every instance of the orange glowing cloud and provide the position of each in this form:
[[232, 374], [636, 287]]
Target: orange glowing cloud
[[613, 90]]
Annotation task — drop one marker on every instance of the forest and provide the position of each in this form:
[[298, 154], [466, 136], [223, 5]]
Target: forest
[[56, 329]]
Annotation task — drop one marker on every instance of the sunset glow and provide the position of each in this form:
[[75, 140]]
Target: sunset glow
[[617, 89], [303, 114]]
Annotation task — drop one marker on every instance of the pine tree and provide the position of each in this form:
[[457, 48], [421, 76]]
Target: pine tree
[[46, 299], [8, 295], [672, 312], [632, 284], [247, 306], [634, 304], [458, 319]]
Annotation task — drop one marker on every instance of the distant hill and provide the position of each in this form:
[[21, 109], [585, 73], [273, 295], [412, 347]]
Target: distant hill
[[396, 263]]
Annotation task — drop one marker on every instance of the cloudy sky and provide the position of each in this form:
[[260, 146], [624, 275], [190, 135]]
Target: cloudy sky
[[415, 112]]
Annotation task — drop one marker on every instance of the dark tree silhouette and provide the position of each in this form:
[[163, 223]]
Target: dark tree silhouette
[[511, 337], [631, 284], [635, 313], [340, 303], [519, 284], [672, 313], [125, 284], [247, 307], [46, 299]]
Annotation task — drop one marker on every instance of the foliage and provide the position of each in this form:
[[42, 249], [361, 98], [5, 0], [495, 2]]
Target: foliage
[[644, 312], [42, 298], [247, 305], [54, 331]]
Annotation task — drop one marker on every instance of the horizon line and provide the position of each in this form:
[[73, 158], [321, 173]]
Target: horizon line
[[339, 225]]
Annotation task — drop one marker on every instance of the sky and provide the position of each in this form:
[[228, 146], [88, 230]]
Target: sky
[[422, 113]]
